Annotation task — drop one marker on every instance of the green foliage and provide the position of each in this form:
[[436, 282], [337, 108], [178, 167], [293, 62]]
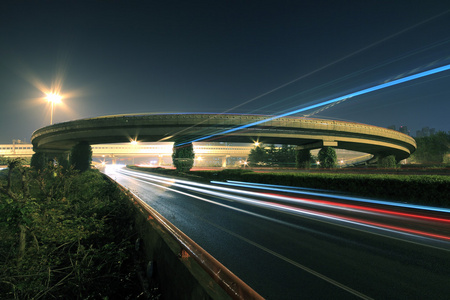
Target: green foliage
[[81, 156], [387, 162], [284, 156], [39, 161], [231, 173], [303, 159], [272, 156], [77, 241], [432, 149], [258, 156], [327, 157], [183, 157], [3, 161], [61, 159]]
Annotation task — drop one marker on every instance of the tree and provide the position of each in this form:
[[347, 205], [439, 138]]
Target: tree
[[258, 156], [61, 160], [303, 159], [432, 149], [183, 157], [39, 161], [81, 156], [387, 162], [327, 157], [286, 155]]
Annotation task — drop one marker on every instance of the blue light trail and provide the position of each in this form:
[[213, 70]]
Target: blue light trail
[[354, 94], [322, 193]]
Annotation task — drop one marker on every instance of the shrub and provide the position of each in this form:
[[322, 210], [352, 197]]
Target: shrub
[[39, 161], [78, 239], [81, 156], [303, 159], [327, 157], [183, 157], [387, 162]]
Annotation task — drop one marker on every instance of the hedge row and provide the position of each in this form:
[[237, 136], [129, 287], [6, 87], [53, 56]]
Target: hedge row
[[431, 190]]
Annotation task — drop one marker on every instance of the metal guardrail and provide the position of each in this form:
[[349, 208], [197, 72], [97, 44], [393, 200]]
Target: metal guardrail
[[233, 285]]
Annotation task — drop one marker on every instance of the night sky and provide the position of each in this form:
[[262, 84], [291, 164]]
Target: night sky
[[125, 57]]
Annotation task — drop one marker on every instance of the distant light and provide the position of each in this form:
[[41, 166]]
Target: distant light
[[134, 142], [318, 162], [54, 98], [257, 144], [200, 158]]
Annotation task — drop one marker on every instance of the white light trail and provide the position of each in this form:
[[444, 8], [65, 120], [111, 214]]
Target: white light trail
[[343, 221]]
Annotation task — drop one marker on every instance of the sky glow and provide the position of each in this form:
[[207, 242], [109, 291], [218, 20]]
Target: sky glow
[[275, 58]]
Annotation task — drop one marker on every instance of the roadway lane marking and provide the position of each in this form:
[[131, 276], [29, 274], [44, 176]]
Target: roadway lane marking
[[294, 263]]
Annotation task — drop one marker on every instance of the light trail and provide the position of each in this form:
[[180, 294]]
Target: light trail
[[324, 103], [364, 222], [226, 193], [298, 265], [330, 194], [368, 209], [325, 67]]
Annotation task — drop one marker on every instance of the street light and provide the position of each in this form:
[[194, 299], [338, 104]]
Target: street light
[[53, 98]]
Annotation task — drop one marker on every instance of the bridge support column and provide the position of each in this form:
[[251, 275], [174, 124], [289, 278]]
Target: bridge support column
[[224, 161], [160, 160]]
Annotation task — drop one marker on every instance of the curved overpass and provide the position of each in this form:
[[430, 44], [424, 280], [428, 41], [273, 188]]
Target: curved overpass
[[303, 132]]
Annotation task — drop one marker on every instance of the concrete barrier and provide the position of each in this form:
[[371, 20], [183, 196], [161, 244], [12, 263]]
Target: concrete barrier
[[184, 269]]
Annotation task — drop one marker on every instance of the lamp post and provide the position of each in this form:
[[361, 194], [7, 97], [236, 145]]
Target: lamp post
[[53, 98]]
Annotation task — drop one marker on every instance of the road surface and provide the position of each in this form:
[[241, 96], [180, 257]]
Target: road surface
[[298, 243]]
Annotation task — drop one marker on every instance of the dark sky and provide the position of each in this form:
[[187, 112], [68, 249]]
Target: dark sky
[[116, 57]]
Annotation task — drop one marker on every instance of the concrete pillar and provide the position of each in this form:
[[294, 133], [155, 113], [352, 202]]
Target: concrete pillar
[[224, 161], [160, 160]]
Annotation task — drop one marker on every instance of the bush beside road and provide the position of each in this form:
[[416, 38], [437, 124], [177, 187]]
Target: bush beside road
[[65, 235]]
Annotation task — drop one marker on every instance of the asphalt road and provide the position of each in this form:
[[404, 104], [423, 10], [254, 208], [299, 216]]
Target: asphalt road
[[302, 244]]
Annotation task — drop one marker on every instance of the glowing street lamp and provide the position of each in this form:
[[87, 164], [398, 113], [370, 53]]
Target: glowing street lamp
[[53, 98]]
